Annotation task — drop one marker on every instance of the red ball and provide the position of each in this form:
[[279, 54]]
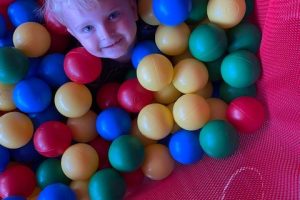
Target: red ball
[[101, 146], [107, 95], [82, 67], [246, 114], [132, 96], [59, 43], [54, 26], [6, 2], [52, 138], [17, 180]]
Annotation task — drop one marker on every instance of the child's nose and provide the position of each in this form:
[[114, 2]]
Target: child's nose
[[104, 32]]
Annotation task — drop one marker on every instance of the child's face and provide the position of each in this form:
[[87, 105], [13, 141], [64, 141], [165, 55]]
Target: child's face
[[107, 30]]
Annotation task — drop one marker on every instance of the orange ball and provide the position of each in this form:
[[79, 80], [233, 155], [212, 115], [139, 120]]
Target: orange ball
[[16, 130], [35, 194], [155, 72], [207, 91], [226, 14], [80, 161], [155, 121], [218, 108], [158, 163], [73, 99], [146, 12], [137, 133], [32, 39], [172, 40], [167, 95], [6, 101], [81, 189], [84, 127], [175, 126], [191, 112], [190, 75]]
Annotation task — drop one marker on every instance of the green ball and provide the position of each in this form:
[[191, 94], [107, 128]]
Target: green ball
[[198, 11], [50, 171], [126, 153], [214, 69], [107, 184], [207, 42], [218, 139], [228, 93], [13, 65], [245, 36], [240, 69], [249, 7]]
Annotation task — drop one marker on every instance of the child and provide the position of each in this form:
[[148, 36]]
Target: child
[[105, 28]]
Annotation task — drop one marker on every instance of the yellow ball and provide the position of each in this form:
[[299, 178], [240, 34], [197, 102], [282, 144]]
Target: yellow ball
[[191, 112], [155, 121], [155, 72], [226, 14], [6, 101], [32, 39], [137, 133], [172, 40], [207, 91], [218, 108], [167, 95], [81, 189], [184, 55], [73, 99], [175, 126], [190, 75], [146, 12], [80, 161], [84, 127], [16, 130]]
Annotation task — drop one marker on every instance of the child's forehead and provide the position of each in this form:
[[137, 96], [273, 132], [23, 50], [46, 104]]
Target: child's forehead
[[90, 4]]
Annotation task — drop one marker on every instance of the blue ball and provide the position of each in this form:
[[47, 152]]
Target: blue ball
[[4, 158], [112, 123], [21, 12], [6, 40], [185, 148], [52, 71], [3, 28], [34, 65], [171, 12], [143, 49], [32, 95], [15, 198], [57, 191]]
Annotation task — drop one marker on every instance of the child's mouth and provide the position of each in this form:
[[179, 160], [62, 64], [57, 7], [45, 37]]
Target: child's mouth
[[112, 44]]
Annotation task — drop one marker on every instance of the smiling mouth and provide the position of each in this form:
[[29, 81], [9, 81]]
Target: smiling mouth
[[112, 45]]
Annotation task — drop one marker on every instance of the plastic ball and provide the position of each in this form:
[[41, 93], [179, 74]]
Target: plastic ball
[[218, 108], [17, 180], [214, 69], [207, 42], [206, 91], [190, 75], [228, 93], [143, 49], [32, 95], [107, 95], [59, 43], [246, 114], [155, 72], [191, 112], [6, 2], [81, 189], [52, 138], [167, 95], [135, 131], [158, 163], [73, 99], [15, 198], [32, 39], [249, 7], [3, 27], [178, 58], [226, 14], [145, 11], [155, 121], [240, 69], [83, 128], [101, 146], [6, 40], [185, 148], [13, 65], [175, 125], [75, 66], [164, 11], [133, 97], [51, 70], [34, 195], [4, 158], [6, 100], [126, 153], [172, 40], [53, 25], [57, 191], [107, 184], [245, 36], [112, 123], [74, 161], [198, 11], [218, 139], [50, 172], [15, 135]]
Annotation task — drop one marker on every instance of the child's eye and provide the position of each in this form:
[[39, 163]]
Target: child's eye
[[114, 15], [87, 29]]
